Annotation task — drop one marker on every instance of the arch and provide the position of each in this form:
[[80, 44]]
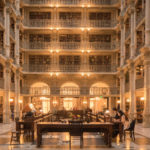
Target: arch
[[69, 88], [39, 88], [1, 71], [99, 88]]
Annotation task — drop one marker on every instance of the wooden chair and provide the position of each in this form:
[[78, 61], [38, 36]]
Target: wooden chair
[[76, 132], [15, 136], [131, 130]]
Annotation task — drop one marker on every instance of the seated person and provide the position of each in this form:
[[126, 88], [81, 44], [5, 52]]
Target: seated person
[[116, 116]]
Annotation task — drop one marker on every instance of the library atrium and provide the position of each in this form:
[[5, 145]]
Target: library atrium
[[79, 67]]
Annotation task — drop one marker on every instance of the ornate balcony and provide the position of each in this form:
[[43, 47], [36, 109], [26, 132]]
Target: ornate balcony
[[1, 19], [36, 68], [140, 17], [102, 68], [38, 23], [69, 68], [37, 2], [69, 2], [103, 2], [1, 83], [103, 46], [12, 33], [102, 23], [69, 23], [70, 45], [70, 91], [139, 83], [35, 45]]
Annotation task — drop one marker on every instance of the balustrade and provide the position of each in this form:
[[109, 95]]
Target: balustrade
[[102, 68], [1, 18], [139, 83], [37, 1], [102, 23], [12, 33], [37, 67], [103, 45], [2, 83], [69, 23], [103, 2], [140, 17], [127, 87], [127, 33], [70, 2], [94, 91], [138, 49], [12, 87], [70, 45], [69, 68], [35, 45], [38, 23]]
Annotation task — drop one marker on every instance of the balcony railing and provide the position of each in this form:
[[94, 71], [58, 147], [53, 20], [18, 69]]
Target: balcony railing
[[1, 19], [103, 2], [138, 49], [102, 23], [126, 87], [36, 2], [1, 83], [38, 23], [103, 46], [69, 2], [69, 68], [70, 45], [12, 87], [102, 68], [36, 68], [76, 91], [12, 33], [35, 45], [127, 33], [139, 83], [69, 23], [140, 17]]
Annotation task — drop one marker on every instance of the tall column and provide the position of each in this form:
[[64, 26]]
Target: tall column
[[146, 113], [132, 75], [132, 31], [17, 42], [146, 52], [17, 94], [6, 108], [122, 90], [7, 32], [147, 24], [122, 53]]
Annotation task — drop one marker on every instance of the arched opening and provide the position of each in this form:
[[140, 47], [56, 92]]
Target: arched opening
[[39, 88], [99, 100], [70, 90], [41, 100]]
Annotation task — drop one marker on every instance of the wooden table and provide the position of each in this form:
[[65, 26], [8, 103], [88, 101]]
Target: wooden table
[[105, 128]]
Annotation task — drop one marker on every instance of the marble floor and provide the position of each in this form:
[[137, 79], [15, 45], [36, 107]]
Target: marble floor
[[60, 141]]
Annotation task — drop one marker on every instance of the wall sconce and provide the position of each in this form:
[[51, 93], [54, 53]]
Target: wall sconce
[[142, 99], [20, 101], [118, 102], [128, 100], [84, 102], [11, 100], [82, 29]]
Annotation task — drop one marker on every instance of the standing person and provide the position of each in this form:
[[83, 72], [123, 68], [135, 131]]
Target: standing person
[[116, 116]]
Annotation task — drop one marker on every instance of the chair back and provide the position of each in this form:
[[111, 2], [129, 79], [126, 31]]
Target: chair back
[[132, 125]]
